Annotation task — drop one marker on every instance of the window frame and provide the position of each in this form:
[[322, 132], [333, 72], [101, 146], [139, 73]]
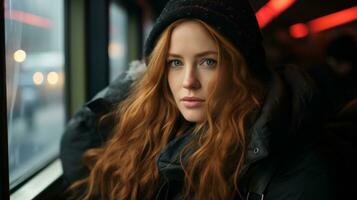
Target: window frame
[[4, 164], [51, 171], [97, 40], [39, 182]]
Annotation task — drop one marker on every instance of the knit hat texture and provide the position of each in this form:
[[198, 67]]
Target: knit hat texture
[[235, 19]]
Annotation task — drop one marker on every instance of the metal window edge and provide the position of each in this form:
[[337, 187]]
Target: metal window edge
[[39, 182]]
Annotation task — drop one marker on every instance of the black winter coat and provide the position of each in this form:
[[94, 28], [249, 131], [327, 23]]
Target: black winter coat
[[287, 131]]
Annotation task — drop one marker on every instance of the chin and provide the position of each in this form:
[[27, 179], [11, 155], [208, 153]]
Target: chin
[[193, 116]]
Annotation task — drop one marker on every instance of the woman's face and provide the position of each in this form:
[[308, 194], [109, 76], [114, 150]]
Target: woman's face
[[192, 62]]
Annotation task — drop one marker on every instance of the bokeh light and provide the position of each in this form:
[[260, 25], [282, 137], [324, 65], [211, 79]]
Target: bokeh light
[[37, 78], [20, 56], [52, 78]]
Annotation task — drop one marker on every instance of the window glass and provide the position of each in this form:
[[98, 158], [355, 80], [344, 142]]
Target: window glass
[[117, 48], [34, 39]]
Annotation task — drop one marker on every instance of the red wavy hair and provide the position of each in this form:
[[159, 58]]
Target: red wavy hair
[[125, 167]]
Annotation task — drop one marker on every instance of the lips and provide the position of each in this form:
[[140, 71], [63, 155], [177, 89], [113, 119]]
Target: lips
[[192, 102]]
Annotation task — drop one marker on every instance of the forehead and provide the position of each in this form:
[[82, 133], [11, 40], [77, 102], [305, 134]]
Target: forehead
[[191, 37]]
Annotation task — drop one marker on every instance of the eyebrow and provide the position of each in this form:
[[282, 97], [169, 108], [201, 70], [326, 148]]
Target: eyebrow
[[197, 55]]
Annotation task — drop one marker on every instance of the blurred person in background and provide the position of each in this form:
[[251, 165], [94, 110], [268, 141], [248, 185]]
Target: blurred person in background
[[337, 78]]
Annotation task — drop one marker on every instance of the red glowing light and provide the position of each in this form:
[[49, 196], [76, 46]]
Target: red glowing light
[[28, 18], [333, 20], [299, 30], [323, 23], [280, 5], [271, 10]]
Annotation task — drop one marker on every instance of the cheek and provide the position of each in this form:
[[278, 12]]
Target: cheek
[[210, 82]]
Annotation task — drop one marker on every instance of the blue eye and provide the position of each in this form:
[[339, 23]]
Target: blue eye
[[174, 63], [209, 62]]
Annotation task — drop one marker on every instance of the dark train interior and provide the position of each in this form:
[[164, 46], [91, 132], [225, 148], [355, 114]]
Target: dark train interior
[[58, 54]]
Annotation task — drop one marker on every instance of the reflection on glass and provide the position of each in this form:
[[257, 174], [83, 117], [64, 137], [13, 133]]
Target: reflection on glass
[[35, 83], [117, 48]]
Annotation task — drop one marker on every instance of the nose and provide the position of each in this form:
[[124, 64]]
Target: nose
[[191, 80]]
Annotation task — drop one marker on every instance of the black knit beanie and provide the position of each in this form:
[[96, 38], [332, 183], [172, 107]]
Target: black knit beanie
[[235, 19]]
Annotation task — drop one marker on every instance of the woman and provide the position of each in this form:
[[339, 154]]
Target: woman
[[202, 119]]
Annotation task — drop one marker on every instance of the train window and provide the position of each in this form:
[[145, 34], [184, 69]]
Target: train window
[[34, 40], [117, 50]]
